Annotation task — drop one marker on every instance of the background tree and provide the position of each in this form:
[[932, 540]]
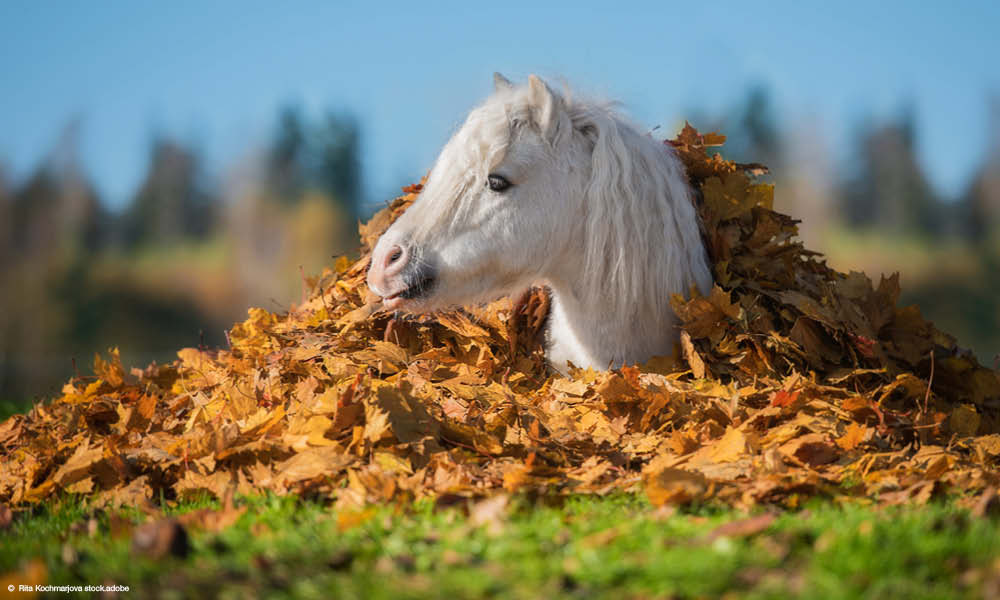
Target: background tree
[[980, 205], [283, 169], [752, 131], [323, 157], [55, 224], [337, 167], [173, 201], [888, 189]]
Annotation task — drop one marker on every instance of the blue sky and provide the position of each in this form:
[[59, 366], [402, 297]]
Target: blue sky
[[214, 74]]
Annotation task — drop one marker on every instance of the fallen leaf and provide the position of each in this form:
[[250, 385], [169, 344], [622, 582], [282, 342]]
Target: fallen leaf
[[812, 449], [853, 436], [673, 486]]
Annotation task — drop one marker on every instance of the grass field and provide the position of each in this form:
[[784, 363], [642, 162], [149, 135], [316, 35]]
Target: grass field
[[618, 547]]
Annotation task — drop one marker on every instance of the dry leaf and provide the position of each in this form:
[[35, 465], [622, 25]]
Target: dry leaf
[[854, 435], [674, 486]]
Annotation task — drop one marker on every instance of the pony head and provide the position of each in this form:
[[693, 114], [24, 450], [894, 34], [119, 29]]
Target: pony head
[[538, 187], [496, 213]]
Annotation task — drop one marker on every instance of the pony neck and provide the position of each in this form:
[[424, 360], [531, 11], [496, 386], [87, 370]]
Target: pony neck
[[586, 329]]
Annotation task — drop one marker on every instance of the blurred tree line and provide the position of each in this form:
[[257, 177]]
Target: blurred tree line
[[180, 262], [884, 187]]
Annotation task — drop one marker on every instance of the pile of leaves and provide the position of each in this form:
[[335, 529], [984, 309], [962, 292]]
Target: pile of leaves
[[792, 380]]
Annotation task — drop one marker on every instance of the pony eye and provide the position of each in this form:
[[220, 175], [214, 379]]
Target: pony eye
[[497, 183]]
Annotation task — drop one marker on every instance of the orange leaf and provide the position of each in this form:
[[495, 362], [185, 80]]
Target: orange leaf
[[854, 435]]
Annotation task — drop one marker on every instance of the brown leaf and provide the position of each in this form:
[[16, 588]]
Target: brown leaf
[[194, 483], [406, 415], [471, 437], [812, 449], [918, 493], [312, 463], [674, 486], [784, 398], [110, 370], [987, 446], [817, 344], [136, 493], [79, 464]]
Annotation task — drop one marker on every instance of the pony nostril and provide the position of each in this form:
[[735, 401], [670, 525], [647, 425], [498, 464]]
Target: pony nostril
[[397, 252]]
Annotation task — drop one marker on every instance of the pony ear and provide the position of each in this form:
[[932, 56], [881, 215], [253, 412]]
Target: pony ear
[[501, 83], [546, 106]]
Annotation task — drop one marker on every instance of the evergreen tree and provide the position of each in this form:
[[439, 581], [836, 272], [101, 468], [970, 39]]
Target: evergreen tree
[[337, 170], [284, 169], [324, 157], [172, 203], [889, 190], [58, 207], [755, 136], [980, 206]]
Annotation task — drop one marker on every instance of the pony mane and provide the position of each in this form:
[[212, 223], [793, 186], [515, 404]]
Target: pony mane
[[641, 229]]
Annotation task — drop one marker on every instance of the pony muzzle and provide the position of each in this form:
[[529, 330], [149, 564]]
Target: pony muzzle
[[397, 278]]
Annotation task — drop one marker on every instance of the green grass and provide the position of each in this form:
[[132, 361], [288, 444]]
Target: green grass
[[584, 548], [11, 407]]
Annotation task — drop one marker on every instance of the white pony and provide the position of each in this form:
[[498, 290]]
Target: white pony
[[538, 187]]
